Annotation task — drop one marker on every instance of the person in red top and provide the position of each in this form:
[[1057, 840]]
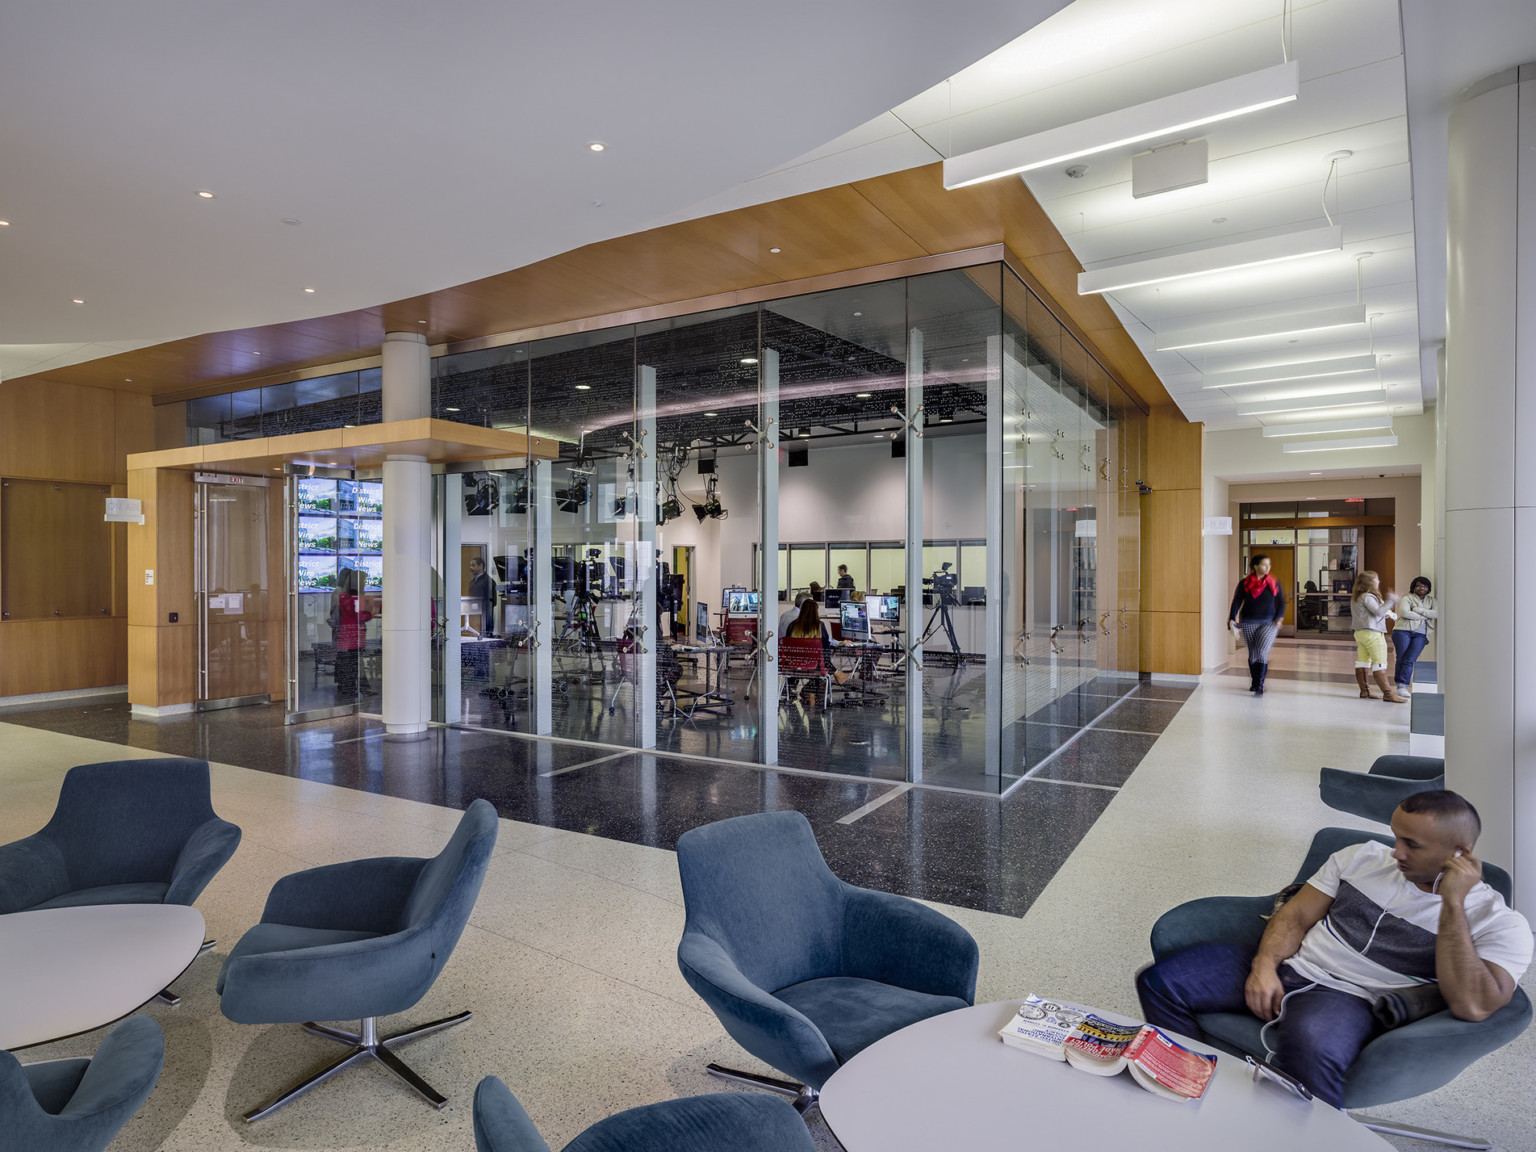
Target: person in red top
[[1258, 607], [351, 633]]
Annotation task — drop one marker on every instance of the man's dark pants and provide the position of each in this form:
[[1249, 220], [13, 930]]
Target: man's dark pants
[[1320, 1035]]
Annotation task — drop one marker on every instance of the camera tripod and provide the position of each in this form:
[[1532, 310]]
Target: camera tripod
[[941, 617], [581, 638]]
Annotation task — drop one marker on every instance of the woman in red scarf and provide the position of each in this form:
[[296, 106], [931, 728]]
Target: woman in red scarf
[[1258, 607]]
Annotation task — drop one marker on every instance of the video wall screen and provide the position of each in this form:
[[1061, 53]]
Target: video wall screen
[[339, 526]]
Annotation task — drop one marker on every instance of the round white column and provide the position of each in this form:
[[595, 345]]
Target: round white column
[[407, 630], [1488, 410]]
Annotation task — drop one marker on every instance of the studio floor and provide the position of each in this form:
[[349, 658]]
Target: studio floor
[[569, 958]]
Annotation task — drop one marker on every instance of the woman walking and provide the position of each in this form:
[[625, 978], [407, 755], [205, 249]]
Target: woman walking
[[1416, 616], [1258, 608], [1369, 614]]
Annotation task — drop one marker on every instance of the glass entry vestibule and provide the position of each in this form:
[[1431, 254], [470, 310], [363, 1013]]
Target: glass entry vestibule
[[936, 460]]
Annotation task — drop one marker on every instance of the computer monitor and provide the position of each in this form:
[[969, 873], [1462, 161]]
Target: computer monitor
[[701, 621], [740, 602], [725, 597], [885, 609], [855, 619], [973, 595], [834, 597]]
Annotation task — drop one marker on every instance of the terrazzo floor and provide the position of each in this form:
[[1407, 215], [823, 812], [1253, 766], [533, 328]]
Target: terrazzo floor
[[568, 961]]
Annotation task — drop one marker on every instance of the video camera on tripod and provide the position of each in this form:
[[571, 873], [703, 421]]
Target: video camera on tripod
[[944, 584], [590, 576]]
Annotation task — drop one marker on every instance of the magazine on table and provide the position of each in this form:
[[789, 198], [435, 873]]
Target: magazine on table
[[1061, 1030]]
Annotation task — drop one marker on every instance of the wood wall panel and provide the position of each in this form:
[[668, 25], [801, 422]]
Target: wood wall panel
[[1173, 638], [60, 431], [134, 430], [1170, 552], [162, 665], [170, 426], [1171, 548], [1176, 459], [59, 655]]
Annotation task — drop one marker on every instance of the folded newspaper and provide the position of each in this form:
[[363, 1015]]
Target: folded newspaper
[[1061, 1030]]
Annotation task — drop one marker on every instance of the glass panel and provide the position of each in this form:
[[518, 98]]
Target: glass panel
[[849, 566], [807, 566], [46, 530], [239, 624], [1272, 536], [888, 569], [207, 418]]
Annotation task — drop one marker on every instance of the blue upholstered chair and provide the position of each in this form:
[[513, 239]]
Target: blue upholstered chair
[[693, 1124], [1402, 1063], [1376, 794], [79, 1105], [357, 941], [124, 832], [803, 970]]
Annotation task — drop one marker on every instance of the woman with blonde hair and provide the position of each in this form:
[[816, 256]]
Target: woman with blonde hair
[[1369, 614]]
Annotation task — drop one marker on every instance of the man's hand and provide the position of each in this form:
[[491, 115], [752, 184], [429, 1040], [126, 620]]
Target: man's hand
[[1459, 875], [1264, 991]]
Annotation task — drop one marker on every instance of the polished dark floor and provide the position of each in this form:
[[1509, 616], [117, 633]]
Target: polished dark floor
[[971, 850]]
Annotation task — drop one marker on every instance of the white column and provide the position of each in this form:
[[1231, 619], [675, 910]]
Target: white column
[[407, 387], [914, 605], [768, 559], [540, 595], [647, 569], [992, 648], [1489, 413]]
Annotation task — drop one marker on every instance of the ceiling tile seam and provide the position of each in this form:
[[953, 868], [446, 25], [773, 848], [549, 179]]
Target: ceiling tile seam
[[896, 134], [877, 210]]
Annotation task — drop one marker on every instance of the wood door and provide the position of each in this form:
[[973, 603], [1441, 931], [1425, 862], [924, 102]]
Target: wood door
[[1282, 566]]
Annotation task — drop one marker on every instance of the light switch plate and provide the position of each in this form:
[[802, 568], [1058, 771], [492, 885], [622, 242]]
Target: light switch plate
[[149, 575]]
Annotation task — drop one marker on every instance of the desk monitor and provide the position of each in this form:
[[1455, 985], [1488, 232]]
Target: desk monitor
[[855, 619], [885, 609], [973, 595], [701, 622], [833, 596], [743, 603], [725, 597]]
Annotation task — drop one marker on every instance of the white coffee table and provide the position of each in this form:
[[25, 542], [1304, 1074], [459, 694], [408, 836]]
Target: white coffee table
[[68, 970], [949, 1082]]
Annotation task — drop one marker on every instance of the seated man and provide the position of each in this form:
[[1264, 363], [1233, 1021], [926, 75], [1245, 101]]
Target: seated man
[[1374, 919]]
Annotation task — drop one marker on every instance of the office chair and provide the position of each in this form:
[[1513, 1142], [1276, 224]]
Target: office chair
[[1397, 1065], [80, 1105], [802, 969], [691, 1124], [1376, 794], [359, 940]]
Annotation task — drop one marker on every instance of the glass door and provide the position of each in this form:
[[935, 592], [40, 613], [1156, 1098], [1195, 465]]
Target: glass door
[[231, 590]]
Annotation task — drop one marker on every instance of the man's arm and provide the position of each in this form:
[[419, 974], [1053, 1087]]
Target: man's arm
[[1473, 988], [1280, 942]]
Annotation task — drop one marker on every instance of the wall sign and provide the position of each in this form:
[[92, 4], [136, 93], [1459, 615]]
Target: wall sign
[[1216, 526]]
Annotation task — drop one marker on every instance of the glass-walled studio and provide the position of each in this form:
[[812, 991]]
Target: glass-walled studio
[[890, 530]]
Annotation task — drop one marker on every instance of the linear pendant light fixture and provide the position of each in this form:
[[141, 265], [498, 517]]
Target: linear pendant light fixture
[[1322, 427], [1283, 373], [1166, 116], [1340, 445], [1234, 331], [1206, 261], [1351, 400]]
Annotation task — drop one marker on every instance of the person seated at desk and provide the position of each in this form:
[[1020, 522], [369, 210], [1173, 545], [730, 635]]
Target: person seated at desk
[[1372, 920], [843, 579], [816, 591], [792, 614], [807, 626]]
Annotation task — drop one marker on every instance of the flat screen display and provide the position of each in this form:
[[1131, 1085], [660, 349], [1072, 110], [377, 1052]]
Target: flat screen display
[[317, 534], [886, 609], [317, 573], [854, 618], [317, 495], [743, 603]]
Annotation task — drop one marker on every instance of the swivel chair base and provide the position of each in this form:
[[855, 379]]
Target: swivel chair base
[[1428, 1135], [365, 1045], [802, 1096]]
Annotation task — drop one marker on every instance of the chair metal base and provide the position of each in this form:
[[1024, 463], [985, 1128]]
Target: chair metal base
[[802, 1096], [1428, 1135], [165, 995], [365, 1045]]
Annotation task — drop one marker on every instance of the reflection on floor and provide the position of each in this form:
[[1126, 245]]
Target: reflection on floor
[[569, 960]]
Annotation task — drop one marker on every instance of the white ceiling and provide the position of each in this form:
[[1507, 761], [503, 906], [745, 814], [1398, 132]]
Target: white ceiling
[[420, 146]]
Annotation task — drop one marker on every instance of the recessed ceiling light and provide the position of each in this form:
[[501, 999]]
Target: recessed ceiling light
[[309, 289], [583, 387], [127, 379], [711, 415], [775, 251], [804, 435], [946, 419], [450, 409], [1314, 473], [749, 359], [77, 300], [1311, 497], [291, 220], [862, 395], [205, 195], [349, 425], [857, 314], [5, 223], [255, 353], [421, 321], [597, 146]]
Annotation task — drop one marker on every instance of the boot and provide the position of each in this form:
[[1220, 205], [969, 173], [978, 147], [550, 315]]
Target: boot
[[1258, 681], [1365, 690], [1387, 694], [1253, 676]]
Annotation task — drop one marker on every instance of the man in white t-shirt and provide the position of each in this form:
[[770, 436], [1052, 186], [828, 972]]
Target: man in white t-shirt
[[1373, 920]]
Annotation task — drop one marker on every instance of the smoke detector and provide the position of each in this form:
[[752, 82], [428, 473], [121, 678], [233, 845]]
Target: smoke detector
[[1077, 171]]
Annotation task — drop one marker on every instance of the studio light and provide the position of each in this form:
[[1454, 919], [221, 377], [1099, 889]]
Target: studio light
[[1340, 445], [1318, 428], [1283, 373], [1166, 116], [1262, 328], [1209, 261], [711, 508]]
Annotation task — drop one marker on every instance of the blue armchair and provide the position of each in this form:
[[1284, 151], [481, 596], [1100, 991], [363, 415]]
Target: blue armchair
[[359, 940], [692, 1124], [124, 832], [802, 969], [1397, 1065], [1376, 794], [80, 1105]]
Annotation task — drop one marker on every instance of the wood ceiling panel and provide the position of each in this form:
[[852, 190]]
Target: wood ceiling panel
[[893, 218]]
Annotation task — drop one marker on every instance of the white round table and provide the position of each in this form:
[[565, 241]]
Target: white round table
[[68, 970], [949, 1082]]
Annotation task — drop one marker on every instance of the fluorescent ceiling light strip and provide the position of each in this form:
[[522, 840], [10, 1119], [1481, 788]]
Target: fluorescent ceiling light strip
[[1233, 331], [1165, 116], [1320, 427], [1340, 445], [1277, 373], [1308, 404], [1208, 261], [1305, 388]]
